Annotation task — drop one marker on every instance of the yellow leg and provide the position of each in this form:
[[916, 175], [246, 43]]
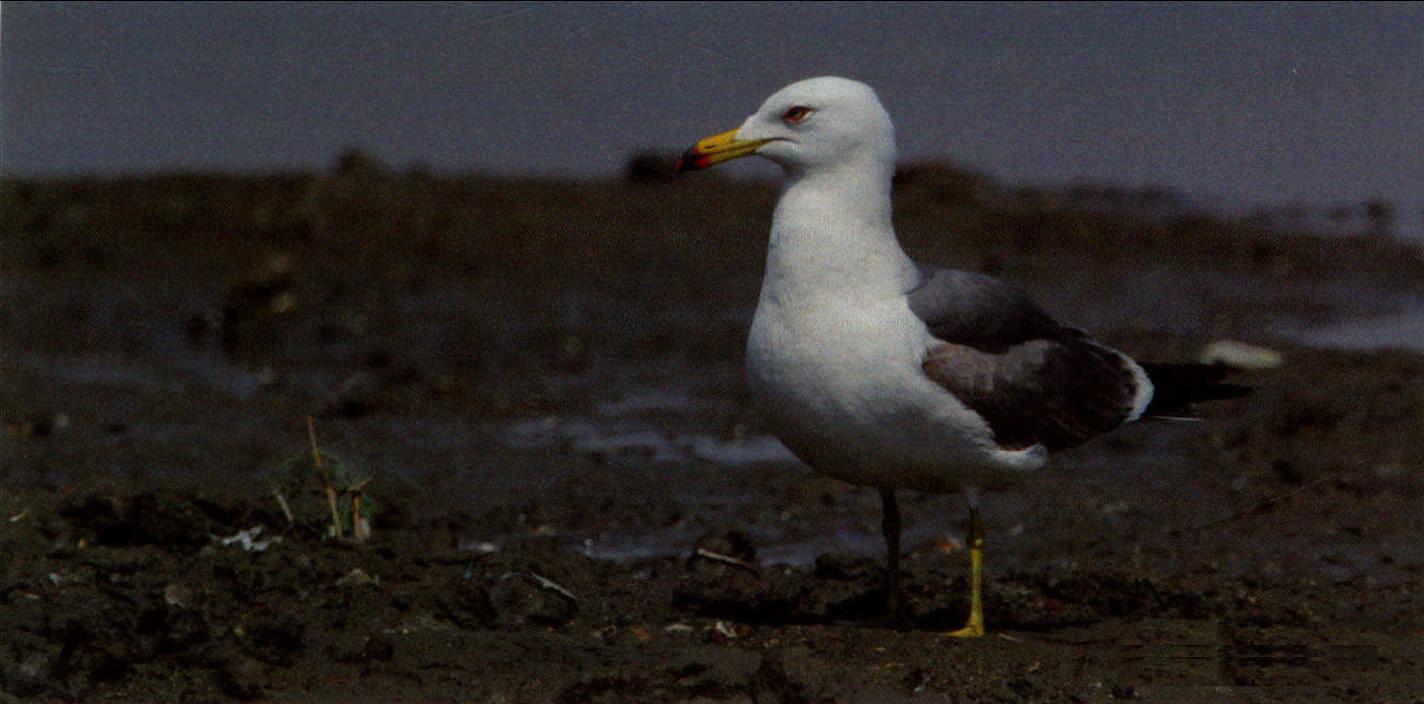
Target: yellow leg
[[974, 627]]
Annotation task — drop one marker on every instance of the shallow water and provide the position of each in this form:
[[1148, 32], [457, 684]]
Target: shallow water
[[649, 438], [1402, 329]]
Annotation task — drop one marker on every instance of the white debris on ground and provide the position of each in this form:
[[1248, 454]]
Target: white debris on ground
[[1241, 355], [247, 540]]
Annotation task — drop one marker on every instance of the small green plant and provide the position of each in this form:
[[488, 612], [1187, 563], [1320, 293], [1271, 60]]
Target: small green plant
[[323, 491]]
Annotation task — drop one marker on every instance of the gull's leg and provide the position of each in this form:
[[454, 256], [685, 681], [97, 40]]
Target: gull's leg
[[895, 601], [974, 627]]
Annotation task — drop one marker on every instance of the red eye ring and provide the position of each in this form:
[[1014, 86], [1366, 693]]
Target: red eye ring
[[796, 114]]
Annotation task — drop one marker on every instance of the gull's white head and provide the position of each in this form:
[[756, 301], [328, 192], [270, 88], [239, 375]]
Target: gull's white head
[[812, 125]]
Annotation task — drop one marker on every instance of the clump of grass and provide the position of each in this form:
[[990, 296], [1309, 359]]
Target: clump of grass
[[324, 492]]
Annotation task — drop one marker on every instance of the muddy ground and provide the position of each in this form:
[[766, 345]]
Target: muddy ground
[[544, 382]]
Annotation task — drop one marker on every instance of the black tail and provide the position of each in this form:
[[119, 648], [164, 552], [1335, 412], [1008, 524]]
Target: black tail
[[1178, 386]]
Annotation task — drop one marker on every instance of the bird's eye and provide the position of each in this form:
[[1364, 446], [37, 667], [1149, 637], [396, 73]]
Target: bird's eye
[[797, 114]]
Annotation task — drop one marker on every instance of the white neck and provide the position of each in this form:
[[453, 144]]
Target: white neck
[[832, 235]]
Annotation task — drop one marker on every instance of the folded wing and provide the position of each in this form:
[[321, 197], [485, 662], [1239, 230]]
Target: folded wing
[[1034, 381]]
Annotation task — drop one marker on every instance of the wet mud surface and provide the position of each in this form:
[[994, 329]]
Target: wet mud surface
[[572, 502]]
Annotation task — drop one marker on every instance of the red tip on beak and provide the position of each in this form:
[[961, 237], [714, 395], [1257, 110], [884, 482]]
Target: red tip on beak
[[691, 160]]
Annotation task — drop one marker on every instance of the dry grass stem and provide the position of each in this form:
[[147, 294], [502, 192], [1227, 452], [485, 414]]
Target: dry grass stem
[[360, 527], [719, 557], [325, 479], [286, 509], [553, 586]]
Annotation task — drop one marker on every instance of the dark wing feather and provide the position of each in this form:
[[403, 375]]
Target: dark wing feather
[[1033, 380], [1049, 392], [1177, 386]]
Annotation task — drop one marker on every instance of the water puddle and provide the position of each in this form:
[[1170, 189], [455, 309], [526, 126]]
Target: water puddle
[[646, 438], [1403, 329], [678, 542], [99, 369], [180, 372], [655, 400]]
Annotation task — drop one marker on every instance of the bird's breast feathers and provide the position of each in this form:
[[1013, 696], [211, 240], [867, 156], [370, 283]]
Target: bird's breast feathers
[[841, 383], [834, 354]]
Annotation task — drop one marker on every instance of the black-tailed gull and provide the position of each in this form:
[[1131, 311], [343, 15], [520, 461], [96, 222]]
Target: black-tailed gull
[[883, 373]]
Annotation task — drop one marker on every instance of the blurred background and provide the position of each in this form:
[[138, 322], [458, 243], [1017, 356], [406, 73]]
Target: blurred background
[[1308, 110], [451, 233]]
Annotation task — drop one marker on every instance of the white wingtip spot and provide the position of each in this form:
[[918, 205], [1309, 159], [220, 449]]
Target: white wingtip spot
[[1142, 396]]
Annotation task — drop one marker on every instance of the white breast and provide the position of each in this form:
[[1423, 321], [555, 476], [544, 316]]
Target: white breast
[[839, 379]]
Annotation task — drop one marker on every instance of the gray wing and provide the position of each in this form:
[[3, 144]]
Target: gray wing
[[962, 306], [1033, 380]]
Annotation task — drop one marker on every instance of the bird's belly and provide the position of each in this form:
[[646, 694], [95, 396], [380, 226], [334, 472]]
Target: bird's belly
[[843, 388]]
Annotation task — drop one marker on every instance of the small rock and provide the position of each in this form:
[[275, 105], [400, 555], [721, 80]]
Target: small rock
[[356, 578], [177, 594]]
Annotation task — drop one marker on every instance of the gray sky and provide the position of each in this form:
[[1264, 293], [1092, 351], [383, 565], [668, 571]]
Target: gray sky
[[1234, 104]]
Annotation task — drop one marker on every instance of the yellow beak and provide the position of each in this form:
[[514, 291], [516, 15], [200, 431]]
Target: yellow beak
[[715, 150]]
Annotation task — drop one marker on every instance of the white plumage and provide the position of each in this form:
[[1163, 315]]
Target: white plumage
[[880, 372], [835, 353]]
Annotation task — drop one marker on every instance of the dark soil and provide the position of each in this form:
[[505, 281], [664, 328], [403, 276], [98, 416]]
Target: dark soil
[[165, 339]]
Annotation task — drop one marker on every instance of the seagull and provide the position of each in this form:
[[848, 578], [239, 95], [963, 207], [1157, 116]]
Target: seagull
[[882, 372]]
